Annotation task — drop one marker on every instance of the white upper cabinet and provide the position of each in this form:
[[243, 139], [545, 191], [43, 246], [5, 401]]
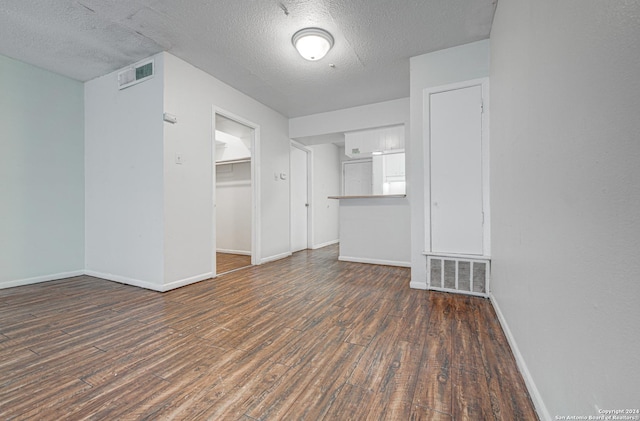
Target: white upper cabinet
[[362, 143]]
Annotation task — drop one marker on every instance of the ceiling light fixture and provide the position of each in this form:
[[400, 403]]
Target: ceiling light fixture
[[312, 43]]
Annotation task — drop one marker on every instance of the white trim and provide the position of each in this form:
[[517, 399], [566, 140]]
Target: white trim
[[426, 135], [374, 261], [149, 285], [458, 256], [187, 281], [241, 252], [541, 408], [275, 257], [39, 279], [328, 243], [457, 291], [418, 285], [125, 280]]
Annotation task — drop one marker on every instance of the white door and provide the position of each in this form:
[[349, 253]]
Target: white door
[[456, 171], [299, 199]]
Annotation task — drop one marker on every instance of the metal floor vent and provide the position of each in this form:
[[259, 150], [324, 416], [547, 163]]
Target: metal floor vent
[[460, 275]]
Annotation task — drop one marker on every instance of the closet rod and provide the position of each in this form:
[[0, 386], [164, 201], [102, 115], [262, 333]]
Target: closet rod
[[233, 161]]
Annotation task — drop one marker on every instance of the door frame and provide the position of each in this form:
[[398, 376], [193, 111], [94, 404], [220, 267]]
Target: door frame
[[255, 185], [426, 116], [309, 153]]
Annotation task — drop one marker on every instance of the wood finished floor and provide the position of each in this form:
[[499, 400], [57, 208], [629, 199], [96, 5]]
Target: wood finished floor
[[307, 337], [226, 262]]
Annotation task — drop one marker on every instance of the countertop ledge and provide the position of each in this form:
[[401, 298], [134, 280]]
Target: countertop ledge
[[379, 196]]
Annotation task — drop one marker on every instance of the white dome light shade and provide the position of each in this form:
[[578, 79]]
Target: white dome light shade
[[312, 43]]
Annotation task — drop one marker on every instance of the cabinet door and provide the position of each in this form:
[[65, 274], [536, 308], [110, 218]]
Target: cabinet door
[[393, 138], [455, 119]]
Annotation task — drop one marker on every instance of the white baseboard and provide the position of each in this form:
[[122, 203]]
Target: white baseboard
[[541, 408], [38, 279], [149, 285], [275, 257], [241, 252], [187, 281], [328, 243], [418, 285], [374, 261], [125, 280]]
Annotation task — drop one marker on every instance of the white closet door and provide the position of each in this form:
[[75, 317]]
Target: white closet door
[[456, 171], [299, 199]]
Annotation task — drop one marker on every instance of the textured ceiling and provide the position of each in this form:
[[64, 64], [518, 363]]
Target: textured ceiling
[[247, 43]]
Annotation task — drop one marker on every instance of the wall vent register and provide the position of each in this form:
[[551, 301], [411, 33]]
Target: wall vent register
[[459, 275], [135, 74]]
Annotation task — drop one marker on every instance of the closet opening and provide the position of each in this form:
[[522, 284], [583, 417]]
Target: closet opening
[[234, 193]]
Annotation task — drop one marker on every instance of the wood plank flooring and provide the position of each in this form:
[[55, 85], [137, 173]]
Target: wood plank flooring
[[307, 337], [226, 262]]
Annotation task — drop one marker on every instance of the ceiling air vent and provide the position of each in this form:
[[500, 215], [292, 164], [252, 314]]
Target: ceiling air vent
[[135, 74]]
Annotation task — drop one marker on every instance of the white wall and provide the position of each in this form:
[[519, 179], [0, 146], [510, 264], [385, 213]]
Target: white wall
[[565, 186], [233, 208], [41, 176], [331, 124], [192, 95], [457, 64], [375, 230], [326, 182], [124, 180], [356, 118]]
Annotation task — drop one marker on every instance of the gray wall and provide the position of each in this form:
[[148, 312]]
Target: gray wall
[[41, 175], [565, 197]]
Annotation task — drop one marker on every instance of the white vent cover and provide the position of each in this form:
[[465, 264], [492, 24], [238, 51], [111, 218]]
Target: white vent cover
[[459, 274], [135, 74]]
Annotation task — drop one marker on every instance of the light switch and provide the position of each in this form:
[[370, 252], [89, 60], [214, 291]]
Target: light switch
[[283, 176], [179, 158]]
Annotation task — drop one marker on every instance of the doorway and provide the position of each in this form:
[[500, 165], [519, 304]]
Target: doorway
[[234, 194]]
